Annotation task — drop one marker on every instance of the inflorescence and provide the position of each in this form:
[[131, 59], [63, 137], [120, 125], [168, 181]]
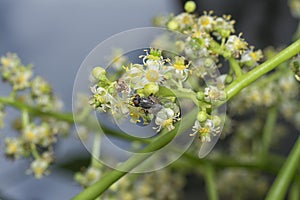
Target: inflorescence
[[37, 134]]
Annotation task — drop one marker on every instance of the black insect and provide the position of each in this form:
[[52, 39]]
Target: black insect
[[150, 104]]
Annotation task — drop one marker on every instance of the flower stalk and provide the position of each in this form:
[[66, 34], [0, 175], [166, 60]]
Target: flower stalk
[[286, 174], [248, 78]]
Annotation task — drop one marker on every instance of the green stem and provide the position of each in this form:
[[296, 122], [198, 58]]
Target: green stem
[[286, 174], [25, 118], [246, 79], [270, 164], [209, 176], [34, 152], [268, 130], [36, 111], [235, 67], [294, 191]]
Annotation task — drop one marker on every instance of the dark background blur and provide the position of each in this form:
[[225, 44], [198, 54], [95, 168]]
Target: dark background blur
[[56, 36]]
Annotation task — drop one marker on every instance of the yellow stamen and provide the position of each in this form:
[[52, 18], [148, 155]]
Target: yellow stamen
[[167, 122]]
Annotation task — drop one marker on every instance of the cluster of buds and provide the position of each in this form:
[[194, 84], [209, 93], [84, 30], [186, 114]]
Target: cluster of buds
[[38, 134]]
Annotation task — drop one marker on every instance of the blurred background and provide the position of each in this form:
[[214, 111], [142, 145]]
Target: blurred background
[[55, 36]]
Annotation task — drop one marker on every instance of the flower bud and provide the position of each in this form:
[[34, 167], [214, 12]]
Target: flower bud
[[202, 116], [190, 6], [173, 25], [98, 71], [151, 88], [200, 96]]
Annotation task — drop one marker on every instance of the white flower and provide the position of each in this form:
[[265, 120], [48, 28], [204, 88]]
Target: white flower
[[154, 72], [204, 130], [235, 44], [30, 134], [101, 98], [14, 147], [214, 94], [40, 87], [92, 175], [20, 79], [206, 22], [45, 135], [184, 20], [180, 69], [138, 76], [39, 167], [165, 118], [251, 57]]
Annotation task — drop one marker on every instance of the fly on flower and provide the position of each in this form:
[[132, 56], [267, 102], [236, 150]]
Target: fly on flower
[[152, 105]]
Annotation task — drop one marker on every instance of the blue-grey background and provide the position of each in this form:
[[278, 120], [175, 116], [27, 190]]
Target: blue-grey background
[[56, 35]]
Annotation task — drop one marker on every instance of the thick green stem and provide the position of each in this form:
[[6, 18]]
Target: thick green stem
[[286, 174], [294, 193], [107, 180], [211, 188], [246, 79]]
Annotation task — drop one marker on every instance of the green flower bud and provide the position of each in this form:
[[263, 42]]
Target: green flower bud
[[228, 79], [98, 71], [173, 25], [151, 88], [225, 33], [200, 96], [190, 6], [202, 116]]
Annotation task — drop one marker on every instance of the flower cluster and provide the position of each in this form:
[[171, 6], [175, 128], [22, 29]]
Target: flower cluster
[[241, 184], [282, 91], [147, 92], [88, 176], [152, 186], [212, 36], [15, 73], [137, 93], [38, 133]]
